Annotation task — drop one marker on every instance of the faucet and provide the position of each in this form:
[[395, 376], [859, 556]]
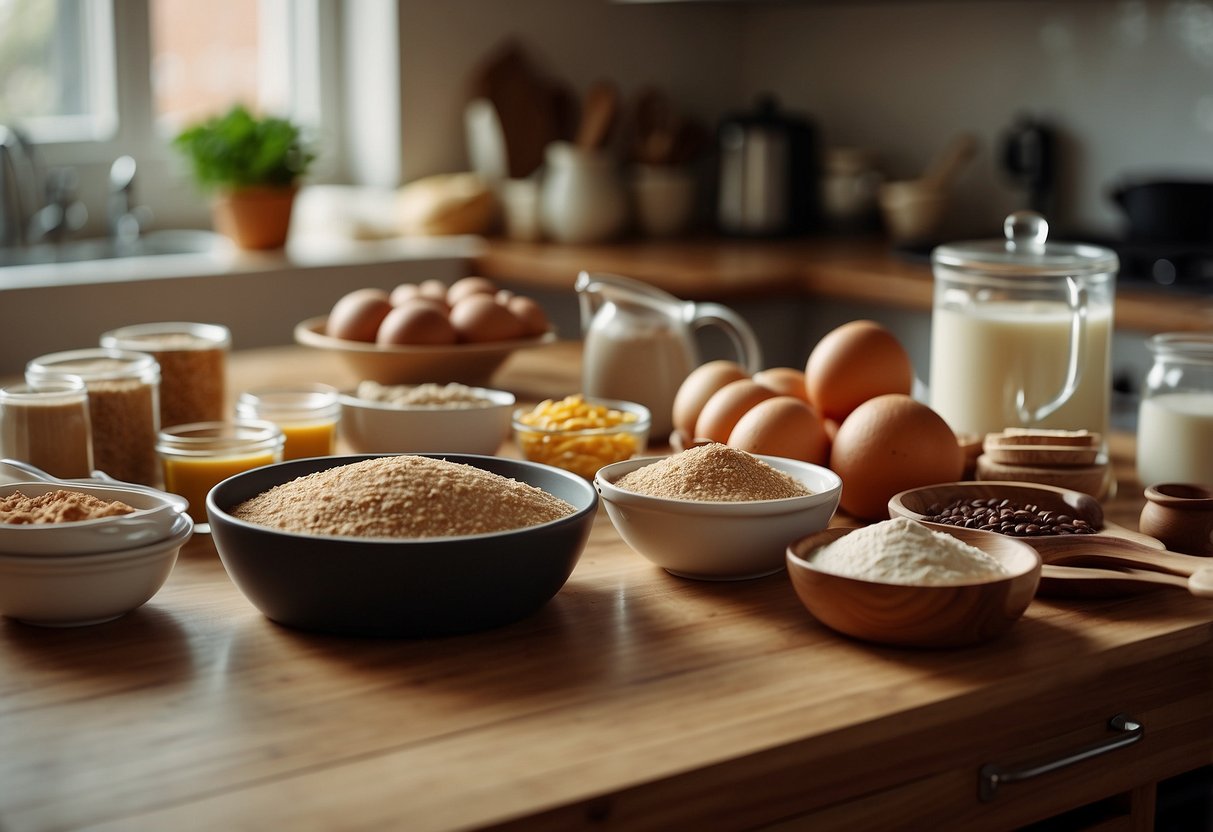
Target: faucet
[[126, 219], [62, 212], [18, 184]]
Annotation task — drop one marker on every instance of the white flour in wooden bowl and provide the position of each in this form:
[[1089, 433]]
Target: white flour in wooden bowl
[[900, 551]]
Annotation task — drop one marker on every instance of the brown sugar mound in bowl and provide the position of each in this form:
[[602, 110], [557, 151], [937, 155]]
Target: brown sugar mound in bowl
[[58, 506], [713, 473], [402, 497]]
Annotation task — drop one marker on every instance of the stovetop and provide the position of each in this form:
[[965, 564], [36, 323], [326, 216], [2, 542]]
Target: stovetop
[[1178, 267]]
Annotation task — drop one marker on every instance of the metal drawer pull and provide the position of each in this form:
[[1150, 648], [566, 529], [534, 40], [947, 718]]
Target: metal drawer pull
[[991, 776]]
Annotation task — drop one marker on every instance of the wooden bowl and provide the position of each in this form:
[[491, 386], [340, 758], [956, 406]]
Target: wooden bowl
[[912, 615], [465, 363]]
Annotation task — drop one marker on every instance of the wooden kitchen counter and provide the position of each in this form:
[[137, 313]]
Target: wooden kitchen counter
[[633, 699], [863, 270]]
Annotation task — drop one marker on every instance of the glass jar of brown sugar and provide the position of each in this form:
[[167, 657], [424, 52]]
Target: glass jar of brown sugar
[[123, 392], [193, 366], [48, 426]]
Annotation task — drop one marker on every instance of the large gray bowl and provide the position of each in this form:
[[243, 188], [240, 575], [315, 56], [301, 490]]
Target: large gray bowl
[[398, 587]]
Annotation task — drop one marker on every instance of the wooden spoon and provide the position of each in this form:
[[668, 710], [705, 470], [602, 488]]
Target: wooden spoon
[[944, 168], [1080, 581], [597, 115], [1116, 552]]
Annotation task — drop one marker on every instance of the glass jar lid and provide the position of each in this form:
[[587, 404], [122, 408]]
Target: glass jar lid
[[1026, 252]]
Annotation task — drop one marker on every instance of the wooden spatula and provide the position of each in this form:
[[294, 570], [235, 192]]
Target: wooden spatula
[[1087, 581], [597, 115]]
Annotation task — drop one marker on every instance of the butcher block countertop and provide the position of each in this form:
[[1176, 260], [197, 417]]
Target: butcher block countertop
[[634, 699], [851, 269]]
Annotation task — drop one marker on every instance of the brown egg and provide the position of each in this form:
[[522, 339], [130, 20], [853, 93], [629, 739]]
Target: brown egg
[[853, 363], [402, 293], [783, 426], [433, 288], [888, 444], [697, 388], [356, 316], [465, 286], [726, 406], [479, 318], [786, 381], [534, 319], [417, 322]]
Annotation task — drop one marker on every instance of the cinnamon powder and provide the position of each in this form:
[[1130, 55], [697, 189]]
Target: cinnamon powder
[[713, 473], [58, 506]]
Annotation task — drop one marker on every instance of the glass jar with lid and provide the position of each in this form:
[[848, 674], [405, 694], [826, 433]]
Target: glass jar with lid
[[1175, 420], [123, 405], [1021, 331], [193, 366]]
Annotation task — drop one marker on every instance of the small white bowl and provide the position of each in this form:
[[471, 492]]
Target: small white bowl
[[719, 541], [370, 427], [76, 590], [153, 520]]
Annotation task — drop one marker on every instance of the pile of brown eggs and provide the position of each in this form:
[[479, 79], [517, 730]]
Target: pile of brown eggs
[[471, 310], [849, 409]]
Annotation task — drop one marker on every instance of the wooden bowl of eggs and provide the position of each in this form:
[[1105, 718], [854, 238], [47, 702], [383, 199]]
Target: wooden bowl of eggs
[[428, 331], [902, 583]]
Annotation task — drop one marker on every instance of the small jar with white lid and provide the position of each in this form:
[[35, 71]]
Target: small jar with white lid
[[123, 404], [193, 366]]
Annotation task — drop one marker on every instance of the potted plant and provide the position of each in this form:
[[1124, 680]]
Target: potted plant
[[253, 165]]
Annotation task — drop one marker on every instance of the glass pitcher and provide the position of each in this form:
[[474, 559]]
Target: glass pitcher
[[640, 345], [1021, 331]]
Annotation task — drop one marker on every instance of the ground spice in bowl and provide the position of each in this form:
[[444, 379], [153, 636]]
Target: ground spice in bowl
[[58, 506], [713, 473], [402, 497]]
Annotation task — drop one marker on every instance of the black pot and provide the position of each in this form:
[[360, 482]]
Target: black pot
[[1168, 211]]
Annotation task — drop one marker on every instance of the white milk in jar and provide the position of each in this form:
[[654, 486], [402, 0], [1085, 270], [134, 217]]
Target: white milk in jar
[[1021, 332], [985, 356], [1175, 422]]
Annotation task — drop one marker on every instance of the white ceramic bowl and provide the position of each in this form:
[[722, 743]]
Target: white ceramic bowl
[[380, 428], [153, 520], [465, 363], [75, 590], [719, 541]]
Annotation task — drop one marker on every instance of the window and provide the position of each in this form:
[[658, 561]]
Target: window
[[89, 81]]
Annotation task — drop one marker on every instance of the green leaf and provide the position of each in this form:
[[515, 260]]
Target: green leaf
[[238, 149]]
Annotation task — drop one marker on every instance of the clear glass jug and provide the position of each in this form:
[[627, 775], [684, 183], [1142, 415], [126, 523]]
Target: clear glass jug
[[1021, 331], [640, 345]]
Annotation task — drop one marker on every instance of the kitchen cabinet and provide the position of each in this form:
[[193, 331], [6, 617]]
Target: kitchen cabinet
[[634, 699]]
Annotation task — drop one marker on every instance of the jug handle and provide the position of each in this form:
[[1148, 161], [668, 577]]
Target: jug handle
[[1077, 298], [745, 342]]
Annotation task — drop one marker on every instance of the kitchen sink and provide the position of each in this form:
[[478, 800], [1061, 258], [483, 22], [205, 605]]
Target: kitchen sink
[[151, 244]]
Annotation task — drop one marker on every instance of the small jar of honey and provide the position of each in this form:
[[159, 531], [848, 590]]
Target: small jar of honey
[[307, 414], [198, 456]]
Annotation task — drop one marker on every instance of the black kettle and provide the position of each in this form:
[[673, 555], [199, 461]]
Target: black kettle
[[770, 173]]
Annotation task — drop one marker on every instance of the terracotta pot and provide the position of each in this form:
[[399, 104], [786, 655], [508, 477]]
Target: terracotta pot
[[1181, 516], [255, 217]]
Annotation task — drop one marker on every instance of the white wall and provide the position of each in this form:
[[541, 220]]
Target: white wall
[[1126, 83]]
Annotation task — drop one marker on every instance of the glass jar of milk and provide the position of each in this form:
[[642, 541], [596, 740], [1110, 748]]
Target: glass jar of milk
[[1175, 423], [1021, 331]]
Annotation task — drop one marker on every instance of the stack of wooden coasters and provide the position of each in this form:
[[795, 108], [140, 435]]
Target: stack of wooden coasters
[[1063, 458]]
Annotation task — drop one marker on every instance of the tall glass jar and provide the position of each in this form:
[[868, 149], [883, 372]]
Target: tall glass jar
[[123, 406], [47, 426], [193, 366], [1021, 332], [1175, 422]]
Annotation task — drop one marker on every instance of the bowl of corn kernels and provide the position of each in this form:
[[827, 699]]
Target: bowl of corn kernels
[[580, 433]]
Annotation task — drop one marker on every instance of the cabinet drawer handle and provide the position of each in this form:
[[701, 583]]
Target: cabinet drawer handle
[[990, 776]]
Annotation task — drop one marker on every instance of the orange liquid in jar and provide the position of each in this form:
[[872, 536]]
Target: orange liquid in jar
[[307, 439], [193, 478]]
